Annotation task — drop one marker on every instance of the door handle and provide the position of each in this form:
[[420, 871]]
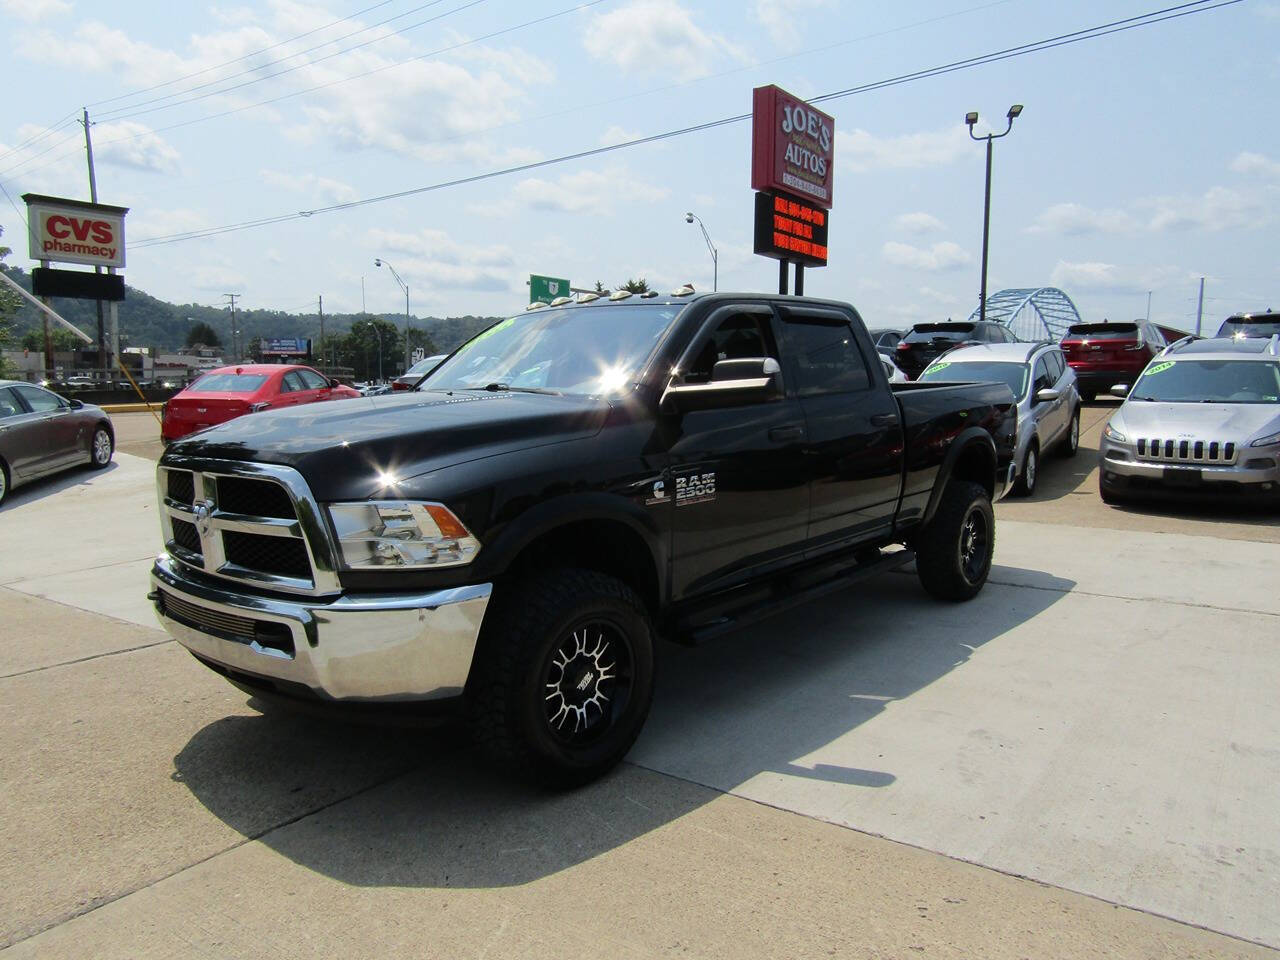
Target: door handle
[[783, 434], [883, 419]]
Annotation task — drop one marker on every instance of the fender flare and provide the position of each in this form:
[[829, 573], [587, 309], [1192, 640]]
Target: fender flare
[[965, 441], [546, 517]]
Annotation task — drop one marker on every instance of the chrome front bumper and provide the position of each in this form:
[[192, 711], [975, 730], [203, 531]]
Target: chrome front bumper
[[375, 648], [1110, 462]]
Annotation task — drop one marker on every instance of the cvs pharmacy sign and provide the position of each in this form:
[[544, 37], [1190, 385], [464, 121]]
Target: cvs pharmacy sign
[[72, 231]]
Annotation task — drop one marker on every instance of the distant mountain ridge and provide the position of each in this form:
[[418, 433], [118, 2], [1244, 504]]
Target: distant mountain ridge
[[147, 321]]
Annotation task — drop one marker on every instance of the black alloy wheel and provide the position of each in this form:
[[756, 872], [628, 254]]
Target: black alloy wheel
[[563, 675], [955, 548]]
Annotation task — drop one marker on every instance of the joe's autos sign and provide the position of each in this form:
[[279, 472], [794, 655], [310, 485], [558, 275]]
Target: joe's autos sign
[[792, 146], [72, 231]]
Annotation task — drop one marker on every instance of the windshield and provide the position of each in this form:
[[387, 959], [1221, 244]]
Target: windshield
[[1244, 327], [228, 383], [1013, 375], [580, 350], [1209, 381], [423, 365]]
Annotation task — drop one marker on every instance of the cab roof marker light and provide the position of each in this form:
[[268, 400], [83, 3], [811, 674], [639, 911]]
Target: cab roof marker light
[[588, 297], [649, 293], [683, 291], [619, 294], [536, 305], [560, 301]]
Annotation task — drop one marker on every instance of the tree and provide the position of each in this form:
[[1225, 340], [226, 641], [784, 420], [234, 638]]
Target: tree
[[63, 340], [201, 332], [636, 286], [9, 304], [600, 287]]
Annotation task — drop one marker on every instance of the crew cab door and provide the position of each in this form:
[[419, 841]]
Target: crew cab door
[[853, 445], [735, 474]]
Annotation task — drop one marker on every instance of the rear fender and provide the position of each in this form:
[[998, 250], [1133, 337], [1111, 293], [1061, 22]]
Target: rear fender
[[971, 456]]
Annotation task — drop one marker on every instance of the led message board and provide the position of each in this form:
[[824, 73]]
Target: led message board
[[791, 229]]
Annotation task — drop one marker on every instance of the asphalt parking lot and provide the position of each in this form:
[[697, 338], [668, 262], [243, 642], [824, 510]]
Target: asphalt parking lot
[[1081, 762]]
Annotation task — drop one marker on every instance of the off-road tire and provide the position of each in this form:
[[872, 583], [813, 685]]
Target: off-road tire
[[1071, 442], [528, 626], [1029, 474], [949, 565], [101, 448]]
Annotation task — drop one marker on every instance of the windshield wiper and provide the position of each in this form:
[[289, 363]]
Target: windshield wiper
[[507, 388]]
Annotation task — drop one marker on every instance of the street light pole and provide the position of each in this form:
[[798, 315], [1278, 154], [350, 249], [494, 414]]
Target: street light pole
[[379, 262], [715, 255], [970, 119]]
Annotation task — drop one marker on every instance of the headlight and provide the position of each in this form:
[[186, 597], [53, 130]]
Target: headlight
[[1266, 441], [1111, 433], [398, 535]]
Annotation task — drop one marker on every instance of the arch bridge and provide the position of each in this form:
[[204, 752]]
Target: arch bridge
[[1032, 313]]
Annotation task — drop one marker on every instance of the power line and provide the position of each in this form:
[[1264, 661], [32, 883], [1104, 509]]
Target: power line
[[36, 138], [123, 113], [1077, 36]]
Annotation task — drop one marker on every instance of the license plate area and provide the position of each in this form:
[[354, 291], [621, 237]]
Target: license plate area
[[1183, 477]]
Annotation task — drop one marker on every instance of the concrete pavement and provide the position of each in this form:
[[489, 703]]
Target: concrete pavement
[[1097, 720]]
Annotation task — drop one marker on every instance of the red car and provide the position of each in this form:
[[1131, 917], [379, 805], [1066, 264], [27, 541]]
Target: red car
[[1105, 354], [229, 392]]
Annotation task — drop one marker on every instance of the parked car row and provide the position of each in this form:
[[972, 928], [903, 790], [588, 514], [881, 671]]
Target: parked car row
[[42, 433]]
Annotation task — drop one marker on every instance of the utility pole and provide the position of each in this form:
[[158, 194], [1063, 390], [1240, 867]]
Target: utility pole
[[93, 197], [1200, 307], [1148, 306], [232, 297], [321, 300]]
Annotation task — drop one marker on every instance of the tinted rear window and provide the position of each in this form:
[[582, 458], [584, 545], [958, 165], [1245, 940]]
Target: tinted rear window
[[1256, 327], [228, 383], [924, 332], [1103, 331], [981, 371]]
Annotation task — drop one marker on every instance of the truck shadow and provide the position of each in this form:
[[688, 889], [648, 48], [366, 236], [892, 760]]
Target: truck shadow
[[384, 806]]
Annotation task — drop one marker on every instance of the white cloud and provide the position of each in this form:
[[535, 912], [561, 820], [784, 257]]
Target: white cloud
[[782, 17], [658, 36], [941, 256], [1255, 163], [320, 188], [616, 134], [938, 296], [33, 10], [919, 223], [1097, 277], [146, 222], [1219, 208], [215, 277], [133, 145], [587, 190], [860, 150], [1072, 218], [432, 260]]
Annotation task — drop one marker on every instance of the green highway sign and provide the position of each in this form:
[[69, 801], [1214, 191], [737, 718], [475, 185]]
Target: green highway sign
[[546, 289]]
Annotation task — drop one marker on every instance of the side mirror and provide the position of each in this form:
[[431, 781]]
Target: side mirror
[[1120, 390], [332, 381], [76, 404], [1047, 395], [734, 383]]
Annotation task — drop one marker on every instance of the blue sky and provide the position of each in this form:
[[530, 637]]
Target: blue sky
[[1142, 161]]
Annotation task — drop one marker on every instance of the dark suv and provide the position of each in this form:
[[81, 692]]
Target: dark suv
[[1265, 324], [1105, 354], [925, 342]]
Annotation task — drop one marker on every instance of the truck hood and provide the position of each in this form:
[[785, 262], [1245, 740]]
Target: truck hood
[[1226, 422], [344, 447]]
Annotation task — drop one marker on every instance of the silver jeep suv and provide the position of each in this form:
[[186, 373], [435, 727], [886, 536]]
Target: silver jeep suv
[[1204, 417]]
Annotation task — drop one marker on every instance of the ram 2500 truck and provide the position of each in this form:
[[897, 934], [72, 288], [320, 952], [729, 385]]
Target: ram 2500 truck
[[509, 540]]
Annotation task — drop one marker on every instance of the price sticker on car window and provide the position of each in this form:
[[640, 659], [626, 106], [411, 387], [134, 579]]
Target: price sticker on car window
[[1159, 368], [938, 367]]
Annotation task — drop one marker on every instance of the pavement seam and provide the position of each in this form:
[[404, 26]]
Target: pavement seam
[[253, 838], [1114, 596], [947, 856], [95, 656], [62, 573]]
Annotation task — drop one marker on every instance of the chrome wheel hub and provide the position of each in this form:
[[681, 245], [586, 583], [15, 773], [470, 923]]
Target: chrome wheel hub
[[101, 447], [580, 683]]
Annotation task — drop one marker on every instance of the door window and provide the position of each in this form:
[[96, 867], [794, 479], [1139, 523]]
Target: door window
[[737, 337], [9, 406], [40, 401], [1057, 364], [826, 355], [312, 379], [1041, 379], [293, 383]]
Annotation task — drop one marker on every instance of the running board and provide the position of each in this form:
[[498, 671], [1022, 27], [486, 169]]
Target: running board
[[786, 594]]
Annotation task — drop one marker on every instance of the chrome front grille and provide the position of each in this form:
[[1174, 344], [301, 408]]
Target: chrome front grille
[[1211, 453], [255, 523]]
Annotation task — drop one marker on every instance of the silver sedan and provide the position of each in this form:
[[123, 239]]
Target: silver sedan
[[42, 433]]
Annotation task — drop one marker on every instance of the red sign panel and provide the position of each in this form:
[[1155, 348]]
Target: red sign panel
[[792, 146]]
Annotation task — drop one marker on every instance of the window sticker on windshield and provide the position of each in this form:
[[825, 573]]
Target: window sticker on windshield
[[1159, 368], [492, 330], [940, 366]]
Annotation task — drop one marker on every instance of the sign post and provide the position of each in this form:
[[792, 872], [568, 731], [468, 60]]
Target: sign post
[[792, 167]]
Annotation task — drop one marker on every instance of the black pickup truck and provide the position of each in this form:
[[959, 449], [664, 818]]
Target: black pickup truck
[[509, 540]]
